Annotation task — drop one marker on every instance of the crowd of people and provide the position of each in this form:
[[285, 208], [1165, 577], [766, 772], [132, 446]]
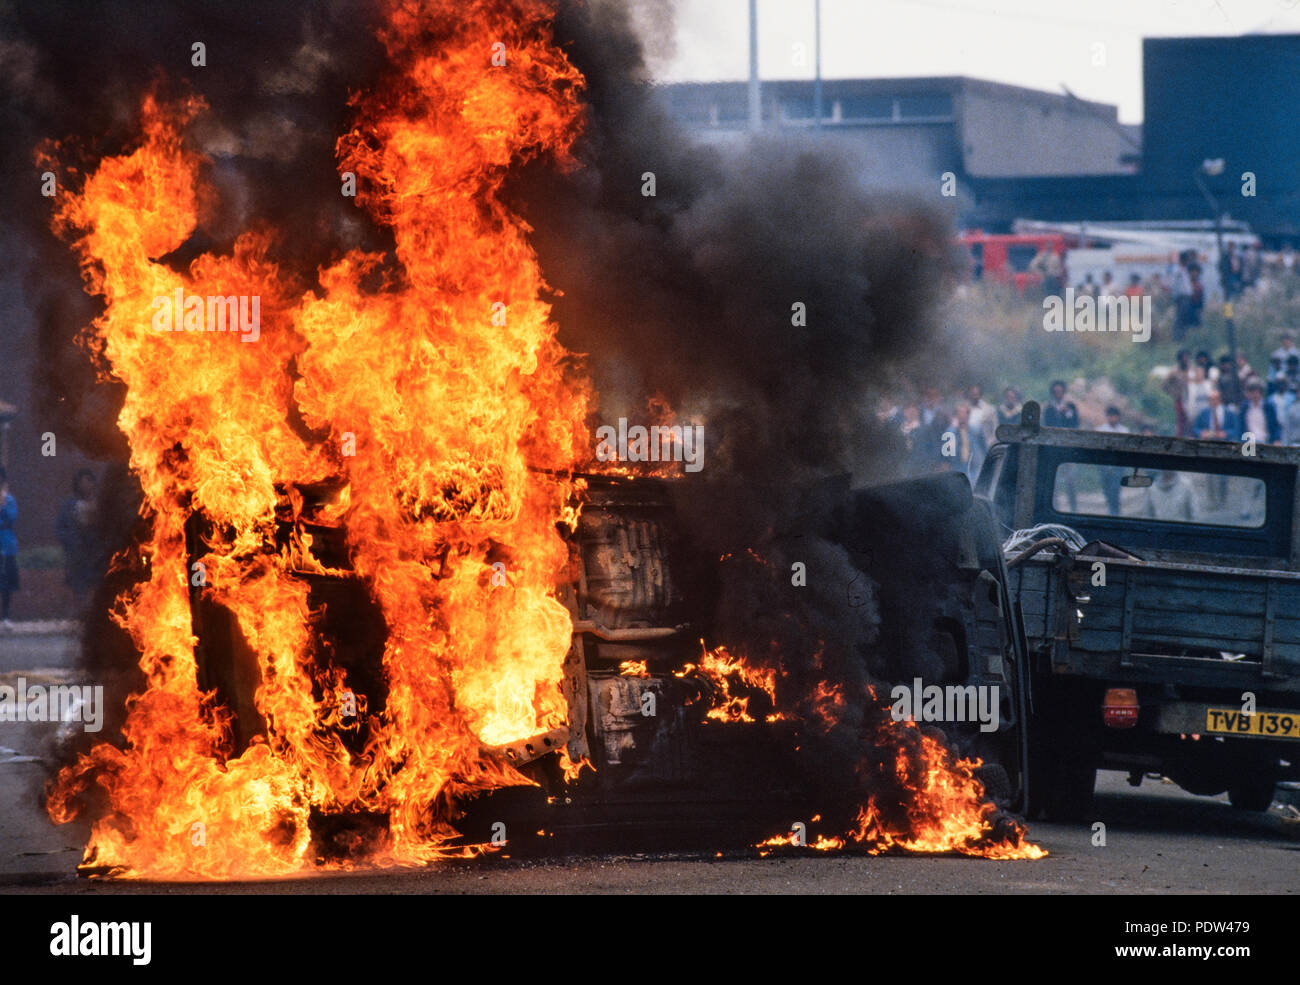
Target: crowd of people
[[1181, 285], [941, 434], [1239, 270], [1221, 399], [956, 434], [1226, 399]]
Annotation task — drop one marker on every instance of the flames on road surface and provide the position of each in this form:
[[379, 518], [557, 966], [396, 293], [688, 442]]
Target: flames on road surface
[[942, 808], [433, 393]]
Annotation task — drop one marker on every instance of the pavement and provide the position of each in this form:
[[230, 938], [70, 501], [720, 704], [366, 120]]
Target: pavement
[[25, 645], [1157, 839]]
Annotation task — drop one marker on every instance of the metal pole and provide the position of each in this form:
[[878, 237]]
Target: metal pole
[[817, 47], [1228, 319], [755, 94]]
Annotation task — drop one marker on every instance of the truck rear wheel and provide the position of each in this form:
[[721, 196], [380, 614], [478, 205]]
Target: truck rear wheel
[[1062, 774], [1252, 794], [1064, 750]]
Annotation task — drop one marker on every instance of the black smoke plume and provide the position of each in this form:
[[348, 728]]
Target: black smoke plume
[[689, 295]]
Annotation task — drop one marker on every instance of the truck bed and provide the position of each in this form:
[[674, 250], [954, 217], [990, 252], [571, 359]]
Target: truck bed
[[1217, 626]]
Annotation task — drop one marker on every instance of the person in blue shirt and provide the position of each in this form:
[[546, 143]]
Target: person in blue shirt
[[8, 548], [1060, 412], [1216, 422], [1258, 416], [1281, 395]]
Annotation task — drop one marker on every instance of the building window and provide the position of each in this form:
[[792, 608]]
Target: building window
[[896, 109], [925, 107], [874, 108]]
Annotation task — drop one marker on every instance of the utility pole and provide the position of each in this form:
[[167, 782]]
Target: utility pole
[[755, 93], [817, 48], [1214, 167]]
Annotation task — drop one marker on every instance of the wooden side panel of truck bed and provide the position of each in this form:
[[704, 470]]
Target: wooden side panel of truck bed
[[1148, 611]]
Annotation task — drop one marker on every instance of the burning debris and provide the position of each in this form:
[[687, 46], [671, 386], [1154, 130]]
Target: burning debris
[[383, 584]]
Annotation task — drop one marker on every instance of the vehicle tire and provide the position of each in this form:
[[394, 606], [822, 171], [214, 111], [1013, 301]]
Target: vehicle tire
[[1068, 796], [1060, 786], [1063, 757], [1252, 794]]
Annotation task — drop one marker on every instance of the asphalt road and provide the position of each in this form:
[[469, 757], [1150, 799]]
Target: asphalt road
[[1157, 840]]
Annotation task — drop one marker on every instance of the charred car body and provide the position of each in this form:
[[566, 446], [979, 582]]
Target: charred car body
[[679, 755], [1159, 585]]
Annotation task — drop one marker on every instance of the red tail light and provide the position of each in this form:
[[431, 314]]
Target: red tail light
[[1119, 709]]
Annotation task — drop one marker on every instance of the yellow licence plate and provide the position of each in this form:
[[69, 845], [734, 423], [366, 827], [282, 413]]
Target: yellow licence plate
[[1268, 724]]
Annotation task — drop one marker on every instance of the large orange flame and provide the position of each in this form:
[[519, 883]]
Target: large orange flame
[[434, 403]]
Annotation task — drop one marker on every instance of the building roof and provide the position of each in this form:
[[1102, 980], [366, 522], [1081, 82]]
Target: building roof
[[926, 126], [682, 94]]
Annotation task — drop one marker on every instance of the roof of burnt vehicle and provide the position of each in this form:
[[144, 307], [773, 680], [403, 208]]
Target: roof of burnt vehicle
[[1148, 444]]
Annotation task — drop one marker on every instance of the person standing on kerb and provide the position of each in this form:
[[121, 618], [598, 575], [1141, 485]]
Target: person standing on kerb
[[8, 549], [76, 529]]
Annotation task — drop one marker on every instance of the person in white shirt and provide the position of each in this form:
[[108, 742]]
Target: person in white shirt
[[1112, 476], [1199, 389], [983, 415], [1170, 497], [968, 449], [1211, 371], [1112, 425]]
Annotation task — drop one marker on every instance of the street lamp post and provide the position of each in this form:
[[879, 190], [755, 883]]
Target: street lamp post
[[755, 93], [817, 76], [1213, 167]]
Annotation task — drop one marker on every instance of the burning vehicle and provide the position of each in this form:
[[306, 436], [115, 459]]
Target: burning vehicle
[[388, 607], [665, 741]]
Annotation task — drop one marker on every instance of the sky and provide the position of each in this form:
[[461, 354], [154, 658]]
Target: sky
[[1092, 47]]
